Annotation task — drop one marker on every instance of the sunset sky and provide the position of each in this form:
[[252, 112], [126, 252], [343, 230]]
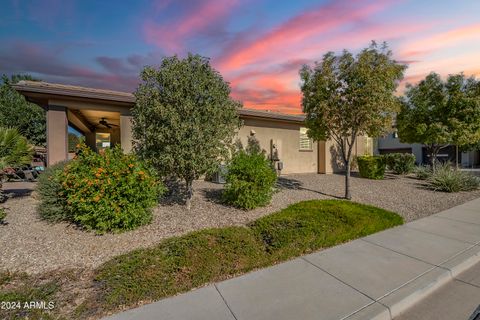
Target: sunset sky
[[258, 46]]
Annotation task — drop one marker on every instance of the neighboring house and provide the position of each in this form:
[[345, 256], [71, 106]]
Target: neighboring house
[[391, 143], [104, 118]]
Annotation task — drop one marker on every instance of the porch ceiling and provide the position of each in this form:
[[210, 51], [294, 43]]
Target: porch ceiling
[[94, 116]]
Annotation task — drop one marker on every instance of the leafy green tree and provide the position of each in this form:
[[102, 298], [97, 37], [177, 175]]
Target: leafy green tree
[[438, 113], [14, 151], [345, 96], [16, 112], [184, 121]]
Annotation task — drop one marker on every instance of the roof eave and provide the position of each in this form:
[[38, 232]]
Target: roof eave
[[25, 89]]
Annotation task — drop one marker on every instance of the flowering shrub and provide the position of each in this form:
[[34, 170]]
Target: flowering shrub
[[111, 191]]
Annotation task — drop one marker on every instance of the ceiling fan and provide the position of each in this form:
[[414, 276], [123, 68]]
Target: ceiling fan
[[107, 124]]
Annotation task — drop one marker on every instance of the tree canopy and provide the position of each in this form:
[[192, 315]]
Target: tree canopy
[[184, 121], [437, 113], [345, 96], [17, 113]]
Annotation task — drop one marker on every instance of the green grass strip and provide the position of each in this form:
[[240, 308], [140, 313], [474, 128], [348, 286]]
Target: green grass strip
[[179, 264]]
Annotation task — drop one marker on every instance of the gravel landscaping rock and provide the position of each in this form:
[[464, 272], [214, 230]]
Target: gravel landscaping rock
[[35, 246]]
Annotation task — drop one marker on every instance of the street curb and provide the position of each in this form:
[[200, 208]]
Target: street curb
[[440, 275]]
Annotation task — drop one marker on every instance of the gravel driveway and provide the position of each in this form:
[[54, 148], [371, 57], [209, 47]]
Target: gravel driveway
[[35, 246]]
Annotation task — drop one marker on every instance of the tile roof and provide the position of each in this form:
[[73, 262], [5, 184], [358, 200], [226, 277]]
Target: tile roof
[[41, 87], [270, 115], [73, 91]]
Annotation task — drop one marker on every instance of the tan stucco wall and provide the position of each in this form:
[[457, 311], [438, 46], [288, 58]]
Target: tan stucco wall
[[330, 160], [126, 137], [287, 137], [57, 125], [323, 157]]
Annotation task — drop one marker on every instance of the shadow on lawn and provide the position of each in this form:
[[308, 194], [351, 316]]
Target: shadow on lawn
[[286, 183]]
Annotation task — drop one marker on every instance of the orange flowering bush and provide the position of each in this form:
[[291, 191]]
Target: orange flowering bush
[[111, 191]]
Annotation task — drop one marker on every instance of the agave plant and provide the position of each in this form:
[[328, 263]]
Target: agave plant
[[14, 151]]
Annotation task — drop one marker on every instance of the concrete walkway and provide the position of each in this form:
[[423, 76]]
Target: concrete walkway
[[376, 277]]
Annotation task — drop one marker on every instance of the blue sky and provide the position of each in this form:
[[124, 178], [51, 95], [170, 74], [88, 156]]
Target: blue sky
[[258, 46]]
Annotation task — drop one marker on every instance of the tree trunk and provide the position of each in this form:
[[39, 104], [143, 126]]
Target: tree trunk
[[189, 194], [348, 196], [432, 151], [456, 156]]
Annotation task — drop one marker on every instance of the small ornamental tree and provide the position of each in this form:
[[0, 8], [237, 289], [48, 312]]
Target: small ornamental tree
[[184, 121], [28, 118], [345, 96], [438, 113]]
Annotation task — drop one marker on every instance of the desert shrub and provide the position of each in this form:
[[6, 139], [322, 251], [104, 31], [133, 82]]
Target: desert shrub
[[250, 180], [446, 178], [423, 172], [3, 215], [53, 206], [112, 191], [400, 163], [371, 167]]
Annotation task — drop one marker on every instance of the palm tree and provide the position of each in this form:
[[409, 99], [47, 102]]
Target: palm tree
[[14, 151]]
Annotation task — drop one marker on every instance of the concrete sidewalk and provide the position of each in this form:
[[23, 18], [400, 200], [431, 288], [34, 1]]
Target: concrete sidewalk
[[375, 277]]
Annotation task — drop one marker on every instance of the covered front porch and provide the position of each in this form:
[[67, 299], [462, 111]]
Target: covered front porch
[[103, 117]]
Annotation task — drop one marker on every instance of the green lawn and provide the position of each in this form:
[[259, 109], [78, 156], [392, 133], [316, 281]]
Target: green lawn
[[182, 263], [27, 290], [179, 264]]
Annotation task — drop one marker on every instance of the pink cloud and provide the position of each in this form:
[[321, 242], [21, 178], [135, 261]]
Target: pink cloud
[[286, 101], [172, 36], [298, 30], [281, 76], [428, 44]]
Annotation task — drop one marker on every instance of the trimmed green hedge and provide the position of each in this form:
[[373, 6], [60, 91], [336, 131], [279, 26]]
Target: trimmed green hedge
[[371, 167], [182, 263], [400, 163]]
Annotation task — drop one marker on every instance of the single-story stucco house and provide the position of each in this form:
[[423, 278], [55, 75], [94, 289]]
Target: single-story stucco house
[[391, 144], [104, 118]]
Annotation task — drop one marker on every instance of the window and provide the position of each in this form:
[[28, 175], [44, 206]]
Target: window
[[102, 141], [305, 141]]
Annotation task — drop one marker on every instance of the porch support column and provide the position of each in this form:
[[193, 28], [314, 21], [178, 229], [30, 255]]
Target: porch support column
[[126, 133], [57, 134]]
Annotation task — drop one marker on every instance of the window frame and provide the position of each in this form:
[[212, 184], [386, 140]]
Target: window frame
[[303, 136]]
